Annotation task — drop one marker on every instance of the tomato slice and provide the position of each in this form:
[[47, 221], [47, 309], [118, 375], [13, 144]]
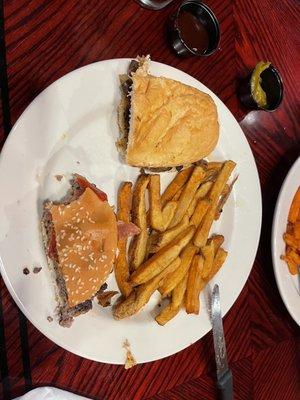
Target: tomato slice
[[52, 250], [84, 183]]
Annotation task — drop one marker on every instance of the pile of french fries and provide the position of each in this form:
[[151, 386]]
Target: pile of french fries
[[173, 253], [292, 236]]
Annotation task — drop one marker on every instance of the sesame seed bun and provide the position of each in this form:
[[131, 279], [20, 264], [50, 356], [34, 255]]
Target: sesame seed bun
[[85, 231]]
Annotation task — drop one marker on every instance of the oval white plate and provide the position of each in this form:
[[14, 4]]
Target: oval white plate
[[71, 127], [287, 284]]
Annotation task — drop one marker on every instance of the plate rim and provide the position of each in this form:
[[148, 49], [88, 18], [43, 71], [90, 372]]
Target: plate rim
[[255, 172]]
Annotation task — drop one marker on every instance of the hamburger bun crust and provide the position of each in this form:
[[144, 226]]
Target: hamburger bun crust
[[86, 240], [171, 123]]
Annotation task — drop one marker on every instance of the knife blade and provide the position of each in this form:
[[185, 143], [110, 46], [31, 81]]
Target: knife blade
[[224, 375]]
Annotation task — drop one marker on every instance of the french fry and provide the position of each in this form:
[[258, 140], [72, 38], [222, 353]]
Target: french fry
[[292, 265], [159, 261], [202, 191], [168, 213], [173, 308], [121, 266], [194, 285], [141, 295], [200, 210], [138, 244], [294, 209], [177, 183], [224, 198], [217, 241], [188, 194], [208, 252], [155, 213], [162, 239], [297, 230], [291, 241], [293, 255], [219, 260], [173, 279], [216, 165], [202, 232], [177, 195]]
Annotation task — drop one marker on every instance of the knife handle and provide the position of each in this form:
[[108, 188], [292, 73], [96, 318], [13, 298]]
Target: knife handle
[[225, 386]]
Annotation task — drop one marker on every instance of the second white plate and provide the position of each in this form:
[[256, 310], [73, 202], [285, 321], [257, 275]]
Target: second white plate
[[288, 284]]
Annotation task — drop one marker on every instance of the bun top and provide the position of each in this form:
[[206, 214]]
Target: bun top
[[86, 241], [171, 123]]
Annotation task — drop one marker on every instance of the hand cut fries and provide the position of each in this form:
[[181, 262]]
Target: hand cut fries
[[162, 258], [217, 241], [200, 211], [156, 218], [141, 295], [166, 237], [121, 265], [188, 194], [173, 252], [194, 284], [208, 252], [201, 193], [172, 309], [168, 213], [202, 232], [175, 186], [224, 197], [292, 236], [172, 279], [138, 246], [219, 260]]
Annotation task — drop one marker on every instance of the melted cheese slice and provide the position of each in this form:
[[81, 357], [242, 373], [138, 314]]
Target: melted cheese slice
[[86, 241]]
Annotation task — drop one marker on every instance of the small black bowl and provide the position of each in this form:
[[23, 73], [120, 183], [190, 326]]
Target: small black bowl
[[271, 84], [206, 19]]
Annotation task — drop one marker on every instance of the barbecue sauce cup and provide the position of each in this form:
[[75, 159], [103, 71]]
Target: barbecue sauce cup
[[194, 30]]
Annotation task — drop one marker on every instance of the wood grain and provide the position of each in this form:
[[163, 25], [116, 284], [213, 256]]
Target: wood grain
[[47, 39]]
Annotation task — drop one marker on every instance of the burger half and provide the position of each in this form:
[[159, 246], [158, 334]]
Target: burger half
[[164, 123]]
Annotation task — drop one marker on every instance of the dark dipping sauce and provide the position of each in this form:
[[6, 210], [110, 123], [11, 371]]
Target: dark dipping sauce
[[193, 32]]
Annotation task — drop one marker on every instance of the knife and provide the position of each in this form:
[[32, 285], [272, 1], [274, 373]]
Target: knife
[[224, 375]]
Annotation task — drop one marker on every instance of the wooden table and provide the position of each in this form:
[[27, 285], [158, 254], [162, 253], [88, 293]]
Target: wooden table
[[47, 39]]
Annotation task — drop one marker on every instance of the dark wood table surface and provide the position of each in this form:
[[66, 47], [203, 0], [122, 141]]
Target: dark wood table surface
[[45, 40]]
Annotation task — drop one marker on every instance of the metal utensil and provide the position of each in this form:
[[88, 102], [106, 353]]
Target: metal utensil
[[154, 5], [224, 375]]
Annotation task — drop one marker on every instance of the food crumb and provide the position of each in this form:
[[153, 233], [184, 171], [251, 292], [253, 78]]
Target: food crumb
[[50, 319], [77, 162], [36, 270], [104, 298], [58, 177], [26, 271], [130, 360]]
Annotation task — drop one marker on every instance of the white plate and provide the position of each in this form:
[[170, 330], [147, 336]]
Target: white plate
[[73, 120], [287, 284]]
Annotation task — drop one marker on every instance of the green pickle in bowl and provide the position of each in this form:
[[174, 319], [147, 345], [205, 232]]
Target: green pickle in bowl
[[258, 94]]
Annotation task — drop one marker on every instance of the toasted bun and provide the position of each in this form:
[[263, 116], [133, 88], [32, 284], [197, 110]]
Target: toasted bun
[[86, 241], [171, 123]]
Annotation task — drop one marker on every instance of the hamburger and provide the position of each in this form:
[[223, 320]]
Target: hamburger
[[164, 123], [80, 235]]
